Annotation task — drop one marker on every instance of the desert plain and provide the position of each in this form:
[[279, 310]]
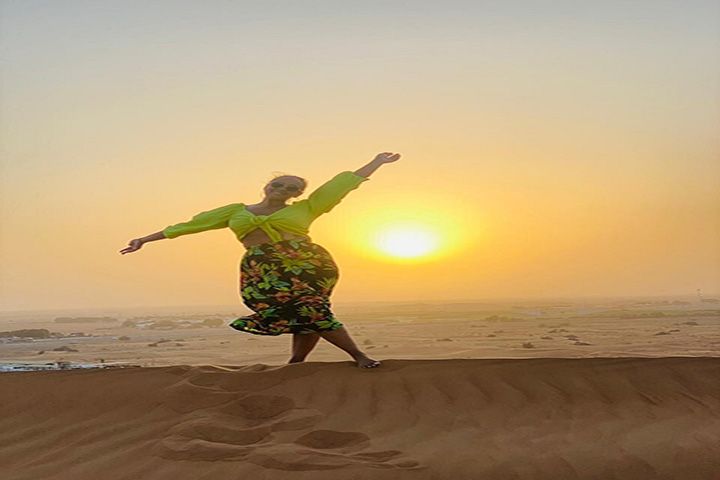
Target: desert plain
[[582, 389]]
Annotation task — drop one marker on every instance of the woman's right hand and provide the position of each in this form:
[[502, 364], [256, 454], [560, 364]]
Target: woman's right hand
[[135, 244]]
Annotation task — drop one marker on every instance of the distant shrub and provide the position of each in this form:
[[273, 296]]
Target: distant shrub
[[213, 322], [85, 319], [64, 348], [496, 318], [163, 324], [30, 333]]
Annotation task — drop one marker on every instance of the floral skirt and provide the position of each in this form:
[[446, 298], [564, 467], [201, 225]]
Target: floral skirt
[[288, 285]]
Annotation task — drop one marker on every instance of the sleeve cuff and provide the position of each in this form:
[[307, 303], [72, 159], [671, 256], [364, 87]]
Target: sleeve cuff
[[168, 232], [357, 177]]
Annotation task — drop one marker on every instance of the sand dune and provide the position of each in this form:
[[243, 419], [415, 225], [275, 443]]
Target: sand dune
[[543, 418]]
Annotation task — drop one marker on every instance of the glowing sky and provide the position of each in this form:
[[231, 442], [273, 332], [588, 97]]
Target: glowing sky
[[556, 148]]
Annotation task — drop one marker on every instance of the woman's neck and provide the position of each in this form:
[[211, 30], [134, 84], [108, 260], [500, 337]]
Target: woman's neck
[[270, 203]]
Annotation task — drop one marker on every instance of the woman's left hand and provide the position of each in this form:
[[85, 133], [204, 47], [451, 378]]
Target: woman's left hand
[[387, 157]]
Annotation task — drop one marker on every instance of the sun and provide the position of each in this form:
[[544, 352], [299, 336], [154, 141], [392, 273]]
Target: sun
[[412, 232], [406, 242]]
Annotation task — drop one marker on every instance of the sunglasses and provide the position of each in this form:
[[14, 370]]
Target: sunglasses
[[289, 188]]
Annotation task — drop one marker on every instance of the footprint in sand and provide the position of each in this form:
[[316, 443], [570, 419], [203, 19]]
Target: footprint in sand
[[326, 450], [225, 431], [266, 430], [259, 406], [329, 439]]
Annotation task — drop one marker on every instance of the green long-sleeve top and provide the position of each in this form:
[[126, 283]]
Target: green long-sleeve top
[[295, 218]]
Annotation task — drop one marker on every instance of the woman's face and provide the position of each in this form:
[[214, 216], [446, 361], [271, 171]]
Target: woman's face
[[284, 188]]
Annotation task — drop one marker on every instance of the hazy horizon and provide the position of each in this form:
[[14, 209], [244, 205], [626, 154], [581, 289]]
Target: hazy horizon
[[531, 301], [561, 150]]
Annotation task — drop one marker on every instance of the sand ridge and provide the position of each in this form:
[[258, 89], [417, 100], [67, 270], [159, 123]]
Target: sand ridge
[[542, 418]]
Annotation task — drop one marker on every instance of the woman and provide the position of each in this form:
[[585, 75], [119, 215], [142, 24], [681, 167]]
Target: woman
[[285, 278]]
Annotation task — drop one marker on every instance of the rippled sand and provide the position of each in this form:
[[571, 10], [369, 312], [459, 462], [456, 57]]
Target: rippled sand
[[543, 418]]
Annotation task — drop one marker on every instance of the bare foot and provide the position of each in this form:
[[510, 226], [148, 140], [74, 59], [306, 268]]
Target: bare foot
[[366, 362]]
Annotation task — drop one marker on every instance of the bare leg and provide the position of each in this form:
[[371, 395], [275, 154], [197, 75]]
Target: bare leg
[[341, 339], [303, 343]]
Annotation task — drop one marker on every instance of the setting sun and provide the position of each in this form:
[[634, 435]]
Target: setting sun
[[411, 231], [406, 242]]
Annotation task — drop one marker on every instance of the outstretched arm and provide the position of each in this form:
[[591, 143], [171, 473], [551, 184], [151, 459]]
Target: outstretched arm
[[329, 194], [137, 243], [209, 220], [380, 159]]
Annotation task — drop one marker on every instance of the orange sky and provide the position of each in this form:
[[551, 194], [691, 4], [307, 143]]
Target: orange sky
[[553, 153]]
